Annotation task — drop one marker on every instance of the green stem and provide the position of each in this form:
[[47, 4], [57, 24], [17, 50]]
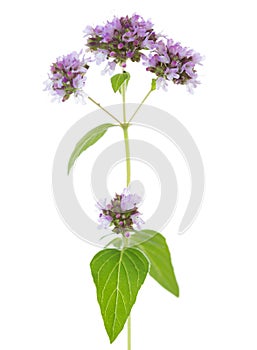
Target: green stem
[[126, 140], [141, 104], [128, 168], [123, 93], [105, 110], [129, 332], [125, 131]]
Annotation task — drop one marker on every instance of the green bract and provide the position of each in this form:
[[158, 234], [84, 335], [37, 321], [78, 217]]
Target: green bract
[[118, 80], [153, 85]]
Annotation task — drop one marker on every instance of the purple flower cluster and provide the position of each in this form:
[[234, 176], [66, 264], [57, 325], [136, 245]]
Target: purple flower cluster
[[122, 213], [121, 39], [171, 62], [133, 38], [67, 77]]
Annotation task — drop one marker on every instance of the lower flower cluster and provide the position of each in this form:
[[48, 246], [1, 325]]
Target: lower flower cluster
[[121, 214]]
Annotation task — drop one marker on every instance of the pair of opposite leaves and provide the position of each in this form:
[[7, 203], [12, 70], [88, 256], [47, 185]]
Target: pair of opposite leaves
[[119, 274]]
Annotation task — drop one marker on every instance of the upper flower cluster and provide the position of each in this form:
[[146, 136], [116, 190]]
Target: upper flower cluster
[[117, 42], [122, 213], [171, 62], [121, 39], [67, 77]]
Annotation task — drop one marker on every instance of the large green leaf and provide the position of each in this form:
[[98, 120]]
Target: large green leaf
[[87, 140], [119, 79], [118, 276], [154, 246]]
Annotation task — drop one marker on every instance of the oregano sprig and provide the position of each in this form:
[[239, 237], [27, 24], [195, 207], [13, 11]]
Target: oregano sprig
[[120, 269]]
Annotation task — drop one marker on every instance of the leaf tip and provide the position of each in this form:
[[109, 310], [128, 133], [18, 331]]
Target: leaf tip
[[111, 339], [174, 289], [176, 293]]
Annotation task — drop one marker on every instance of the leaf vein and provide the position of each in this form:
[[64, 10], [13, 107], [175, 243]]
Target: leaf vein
[[118, 282], [102, 266], [138, 272], [110, 274], [127, 276]]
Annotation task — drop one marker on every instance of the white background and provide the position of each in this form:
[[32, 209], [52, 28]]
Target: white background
[[47, 297]]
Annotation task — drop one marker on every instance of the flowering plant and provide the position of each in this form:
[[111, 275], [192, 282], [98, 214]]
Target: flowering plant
[[120, 269]]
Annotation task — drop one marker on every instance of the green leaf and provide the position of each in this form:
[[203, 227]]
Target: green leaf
[[153, 85], [125, 82], [87, 140], [119, 79], [157, 251], [118, 276]]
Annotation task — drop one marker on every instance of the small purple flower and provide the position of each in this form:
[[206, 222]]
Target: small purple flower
[[102, 204], [110, 67], [121, 213], [88, 30], [130, 54], [129, 201], [121, 39], [67, 77], [78, 82], [137, 220], [104, 221], [172, 73], [162, 83], [100, 57]]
